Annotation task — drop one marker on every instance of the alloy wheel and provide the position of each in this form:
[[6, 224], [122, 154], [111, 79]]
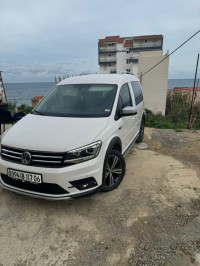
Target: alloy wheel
[[114, 170]]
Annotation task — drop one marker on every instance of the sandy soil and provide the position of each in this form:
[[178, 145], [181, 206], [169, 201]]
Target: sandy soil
[[152, 218]]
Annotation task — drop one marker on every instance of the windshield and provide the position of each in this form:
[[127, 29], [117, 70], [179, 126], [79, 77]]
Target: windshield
[[78, 100]]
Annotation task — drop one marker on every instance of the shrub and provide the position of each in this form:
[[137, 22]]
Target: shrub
[[24, 108], [177, 113]]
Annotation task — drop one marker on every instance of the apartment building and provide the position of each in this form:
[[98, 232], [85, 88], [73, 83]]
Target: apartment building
[[136, 55], [3, 99], [118, 54]]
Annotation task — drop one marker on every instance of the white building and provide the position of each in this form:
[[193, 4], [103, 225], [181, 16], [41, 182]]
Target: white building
[[136, 55], [2, 91]]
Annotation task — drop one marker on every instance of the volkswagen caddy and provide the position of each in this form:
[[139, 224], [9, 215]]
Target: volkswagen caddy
[[74, 141]]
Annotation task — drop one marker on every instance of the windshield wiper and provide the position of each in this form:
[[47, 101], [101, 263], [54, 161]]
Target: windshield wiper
[[35, 111]]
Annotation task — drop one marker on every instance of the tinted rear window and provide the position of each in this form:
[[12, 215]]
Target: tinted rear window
[[137, 90]]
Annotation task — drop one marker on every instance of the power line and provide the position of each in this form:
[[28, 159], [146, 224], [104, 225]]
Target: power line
[[169, 54]]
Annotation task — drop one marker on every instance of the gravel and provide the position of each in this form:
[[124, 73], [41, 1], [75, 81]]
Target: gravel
[[170, 138]]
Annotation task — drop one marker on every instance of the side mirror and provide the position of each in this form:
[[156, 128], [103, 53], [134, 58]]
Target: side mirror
[[129, 110]]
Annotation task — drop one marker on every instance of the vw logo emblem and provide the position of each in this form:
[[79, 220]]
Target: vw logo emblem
[[26, 157]]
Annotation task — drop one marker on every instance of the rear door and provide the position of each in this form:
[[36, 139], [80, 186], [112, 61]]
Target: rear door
[[138, 98]]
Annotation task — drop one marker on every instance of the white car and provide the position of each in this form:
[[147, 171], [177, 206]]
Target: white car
[[73, 143]]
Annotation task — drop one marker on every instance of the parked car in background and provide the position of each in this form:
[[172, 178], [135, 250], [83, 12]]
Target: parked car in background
[[74, 141]]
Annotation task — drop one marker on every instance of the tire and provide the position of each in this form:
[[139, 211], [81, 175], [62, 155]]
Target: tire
[[141, 134], [114, 170]]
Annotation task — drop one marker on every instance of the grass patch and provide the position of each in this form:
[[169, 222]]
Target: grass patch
[[177, 113], [178, 130], [165, 122]]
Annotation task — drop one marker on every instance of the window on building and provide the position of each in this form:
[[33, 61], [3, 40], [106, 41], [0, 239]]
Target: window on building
[[128, 61], [128, 70], [137, 90]]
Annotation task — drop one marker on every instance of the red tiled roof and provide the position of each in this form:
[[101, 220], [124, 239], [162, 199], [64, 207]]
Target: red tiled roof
[[112, 38], [121, 39], [118, 39], [101, 41], [148, 36], [128, 44], [37, 98], [186, 89], [109, 39]]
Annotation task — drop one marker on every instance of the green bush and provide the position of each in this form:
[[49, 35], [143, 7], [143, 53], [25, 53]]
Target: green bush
[[177, 106], [12, 107], [24, 108], [177, 113]]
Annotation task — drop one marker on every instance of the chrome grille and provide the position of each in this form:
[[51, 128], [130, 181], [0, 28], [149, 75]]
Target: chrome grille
[[47, 159]]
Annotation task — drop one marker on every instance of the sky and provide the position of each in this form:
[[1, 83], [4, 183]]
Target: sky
[[43, 38]]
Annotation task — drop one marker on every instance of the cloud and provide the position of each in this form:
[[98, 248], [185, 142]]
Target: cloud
[[15, 72], [49, 32]]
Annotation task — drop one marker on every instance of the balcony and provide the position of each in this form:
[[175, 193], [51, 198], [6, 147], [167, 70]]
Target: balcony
[[150, 48], [107, 49], [113, 71], [107, 61], [133, 60], [108, 52]]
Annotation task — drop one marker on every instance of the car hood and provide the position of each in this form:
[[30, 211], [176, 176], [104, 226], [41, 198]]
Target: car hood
[[57, 134]]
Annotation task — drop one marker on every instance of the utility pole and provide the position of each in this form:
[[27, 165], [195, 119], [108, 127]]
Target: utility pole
[[193, 96]]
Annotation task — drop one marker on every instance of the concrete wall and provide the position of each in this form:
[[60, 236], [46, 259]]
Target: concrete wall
[[188, 93], [155, 82], [121, 59]]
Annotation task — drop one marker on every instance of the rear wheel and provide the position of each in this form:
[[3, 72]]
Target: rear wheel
[[141, 133], [114, 170]]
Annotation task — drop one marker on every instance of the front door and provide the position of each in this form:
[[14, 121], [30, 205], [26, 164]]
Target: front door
[[125, 123]]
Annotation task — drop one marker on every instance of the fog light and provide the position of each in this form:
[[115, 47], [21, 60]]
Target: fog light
[[85, 183]]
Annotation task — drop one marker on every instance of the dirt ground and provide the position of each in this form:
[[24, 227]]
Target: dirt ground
[[152, 218]]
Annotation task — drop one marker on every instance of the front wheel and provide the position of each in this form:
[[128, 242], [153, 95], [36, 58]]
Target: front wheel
[[114, 170]]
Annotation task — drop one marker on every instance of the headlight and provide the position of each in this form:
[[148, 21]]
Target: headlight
[[83, 154]]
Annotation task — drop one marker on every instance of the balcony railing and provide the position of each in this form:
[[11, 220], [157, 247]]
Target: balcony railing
[[150, 48], [107, 49], [133, 60], [107, 61], [107, 52], [112, 71]]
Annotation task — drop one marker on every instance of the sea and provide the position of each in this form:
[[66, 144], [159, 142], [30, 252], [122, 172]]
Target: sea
[[22, 93]]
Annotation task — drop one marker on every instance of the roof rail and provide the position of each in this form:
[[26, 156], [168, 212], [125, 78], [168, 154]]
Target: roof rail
[[126, 72]]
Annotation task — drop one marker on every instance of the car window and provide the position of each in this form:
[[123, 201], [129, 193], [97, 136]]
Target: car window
[[137, 90], [124, 100], [78, 100], [125, 96]]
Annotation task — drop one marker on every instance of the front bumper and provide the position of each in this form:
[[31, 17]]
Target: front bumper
[[54, 177]]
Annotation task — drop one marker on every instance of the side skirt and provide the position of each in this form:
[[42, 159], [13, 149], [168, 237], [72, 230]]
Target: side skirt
[[131, 145]]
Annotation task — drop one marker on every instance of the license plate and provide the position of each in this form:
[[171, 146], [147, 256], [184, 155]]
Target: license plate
[[25, 177]]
